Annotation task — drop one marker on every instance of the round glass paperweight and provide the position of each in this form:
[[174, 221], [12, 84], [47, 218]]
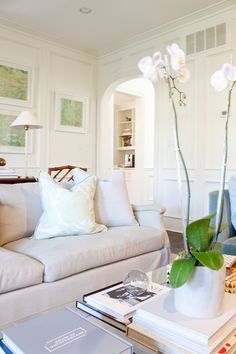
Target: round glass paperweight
[[136, 282]]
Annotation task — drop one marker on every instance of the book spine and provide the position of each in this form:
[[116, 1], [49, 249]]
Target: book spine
[[155, 342], [101, 316], [163, 326], [4, 349], [172, 338], [229, 345]]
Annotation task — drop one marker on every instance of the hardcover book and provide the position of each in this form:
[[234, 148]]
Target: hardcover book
[[63, 332], [102, 316], [119, 303], [160, 316]]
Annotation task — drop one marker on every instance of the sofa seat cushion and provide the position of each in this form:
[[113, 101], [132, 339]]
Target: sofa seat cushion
[[64, 256], [18, 271]]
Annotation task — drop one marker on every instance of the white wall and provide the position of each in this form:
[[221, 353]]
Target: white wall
[[201, 128], [55, 69]]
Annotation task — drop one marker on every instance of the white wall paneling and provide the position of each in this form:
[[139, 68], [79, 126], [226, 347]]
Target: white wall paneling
[[149, 186], [54, 68], [71, 76], [23, 54], [200, 125]]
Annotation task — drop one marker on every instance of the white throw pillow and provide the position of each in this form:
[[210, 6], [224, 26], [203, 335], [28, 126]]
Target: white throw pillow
[[67, 212], [111, 204]]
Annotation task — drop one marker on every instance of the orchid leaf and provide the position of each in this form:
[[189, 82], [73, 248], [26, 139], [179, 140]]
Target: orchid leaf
[[198, 235], [181, 271], [210, 259]]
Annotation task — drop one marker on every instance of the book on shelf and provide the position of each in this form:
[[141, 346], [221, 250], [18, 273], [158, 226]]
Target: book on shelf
[[63, 331], [161, 318], [102, 316], [120, 304]]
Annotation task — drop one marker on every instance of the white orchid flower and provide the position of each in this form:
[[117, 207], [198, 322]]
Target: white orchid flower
[[152, 67], [184, 74], [177, 56], [221, 78]]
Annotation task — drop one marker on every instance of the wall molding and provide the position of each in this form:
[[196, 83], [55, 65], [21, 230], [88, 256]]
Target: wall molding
[[25, 36], [172, 26]]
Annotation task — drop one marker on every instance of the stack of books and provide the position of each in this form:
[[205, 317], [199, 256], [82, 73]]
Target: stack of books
[[8, 173], [158, 325], [64, 332], [115, 305]]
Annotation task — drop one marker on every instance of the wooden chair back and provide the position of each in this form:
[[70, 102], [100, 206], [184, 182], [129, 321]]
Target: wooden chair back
[[61, 173]]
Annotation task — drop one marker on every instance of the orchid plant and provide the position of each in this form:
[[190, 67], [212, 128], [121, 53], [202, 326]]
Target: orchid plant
[[198, 235], [220, 80], [156, 68]]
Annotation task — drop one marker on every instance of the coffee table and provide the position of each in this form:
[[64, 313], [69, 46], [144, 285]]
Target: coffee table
[[158, 275]]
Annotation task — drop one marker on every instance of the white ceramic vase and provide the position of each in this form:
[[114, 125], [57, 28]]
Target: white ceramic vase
[[202, 295]]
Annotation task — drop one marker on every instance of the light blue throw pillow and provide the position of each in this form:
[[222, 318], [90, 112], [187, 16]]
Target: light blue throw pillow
[[67, 212], [232, 196]]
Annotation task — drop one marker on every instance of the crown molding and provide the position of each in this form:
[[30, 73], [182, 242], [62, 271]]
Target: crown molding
[[195, 17], [24, 33]]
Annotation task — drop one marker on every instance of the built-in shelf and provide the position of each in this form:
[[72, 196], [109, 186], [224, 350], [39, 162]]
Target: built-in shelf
[[127, 122], [124, 136]]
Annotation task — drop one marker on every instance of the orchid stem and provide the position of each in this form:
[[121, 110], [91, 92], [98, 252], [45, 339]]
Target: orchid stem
[[220, 200], [181, 157]]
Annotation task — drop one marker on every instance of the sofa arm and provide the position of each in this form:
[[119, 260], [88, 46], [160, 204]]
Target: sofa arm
[[149, 215]]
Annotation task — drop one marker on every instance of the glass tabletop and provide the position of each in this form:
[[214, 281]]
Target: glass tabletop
[[159, 275]]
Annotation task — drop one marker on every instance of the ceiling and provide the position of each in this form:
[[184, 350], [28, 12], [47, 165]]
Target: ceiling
[[106, 28]]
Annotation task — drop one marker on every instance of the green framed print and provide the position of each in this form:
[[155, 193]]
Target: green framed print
[[15, 84], [71, 113], [12, 140]]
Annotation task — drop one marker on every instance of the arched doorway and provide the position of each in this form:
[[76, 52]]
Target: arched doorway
[[126, 136]]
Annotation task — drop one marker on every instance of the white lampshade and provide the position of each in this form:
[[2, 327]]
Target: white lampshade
[[26, 119]]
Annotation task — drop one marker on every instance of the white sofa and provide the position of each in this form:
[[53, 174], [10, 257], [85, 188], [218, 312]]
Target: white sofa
[[36, 275]]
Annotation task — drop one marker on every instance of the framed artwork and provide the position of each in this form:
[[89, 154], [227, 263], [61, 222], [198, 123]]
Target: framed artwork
[[71, 113], [15, 84], [12, 140]]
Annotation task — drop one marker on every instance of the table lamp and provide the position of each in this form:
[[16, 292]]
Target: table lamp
[[27, 120]]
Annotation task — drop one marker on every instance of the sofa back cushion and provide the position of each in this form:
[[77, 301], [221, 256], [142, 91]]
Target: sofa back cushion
[[20, 210], [111, 203]]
